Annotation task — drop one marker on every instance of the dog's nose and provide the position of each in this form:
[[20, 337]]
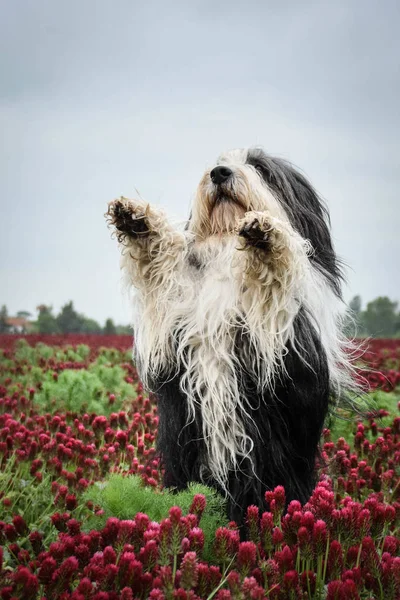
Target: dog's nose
[[220, 174]]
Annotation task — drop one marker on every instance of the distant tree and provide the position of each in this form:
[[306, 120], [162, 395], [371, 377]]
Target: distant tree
[[380, 317], [355, 305], [397, 326], [46, 321], [123, 330], [68, 320], [109, 327], [90, 325], [33, 327], [4, 326], [24, 314], [354, 323]]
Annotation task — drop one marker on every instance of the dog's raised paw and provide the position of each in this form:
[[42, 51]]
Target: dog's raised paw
[[255, 229], [128, 217]]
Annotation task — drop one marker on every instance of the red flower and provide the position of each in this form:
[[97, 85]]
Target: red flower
[[67, 569], [334, 590], [85, 586], [266, 528], [189, 571], [60, 521], [156, 594], [149, 555], [252, 523], [175, 514], [122, 438], [74, 527], [47, 568], [36, 540], [277, 536], [246, 557], [391, 544], [290, 580], [226, 544], [304, 540], [251, 589], [27, 583], [320, 536], [10, 532], [198, 505]]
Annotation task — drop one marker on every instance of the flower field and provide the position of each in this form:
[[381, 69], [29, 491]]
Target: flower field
[[83, 515]]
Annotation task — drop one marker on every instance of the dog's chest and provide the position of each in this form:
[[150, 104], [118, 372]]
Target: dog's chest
[[209, 296]]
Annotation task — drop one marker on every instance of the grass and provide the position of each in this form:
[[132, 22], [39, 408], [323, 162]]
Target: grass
[[344, 424], [124, 496]]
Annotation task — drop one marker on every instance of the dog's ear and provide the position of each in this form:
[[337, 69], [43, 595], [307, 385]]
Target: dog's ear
[[309, 215]]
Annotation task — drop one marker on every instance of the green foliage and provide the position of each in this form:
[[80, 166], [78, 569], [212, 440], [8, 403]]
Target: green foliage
[[70, 354], [109, 327], [4, 327], [33, 327], [112, 355], [46, 321], [385, 401], [85, 390], [124, 496], [31, 499], [68, 320], [83, 351], [33, 354], [24, 352], [344, 423], [24, 314], [123, 330], [380, 318], [90, 325], [44, 351]]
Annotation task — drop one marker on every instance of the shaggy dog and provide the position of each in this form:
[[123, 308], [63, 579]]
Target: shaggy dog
[[237, 327]]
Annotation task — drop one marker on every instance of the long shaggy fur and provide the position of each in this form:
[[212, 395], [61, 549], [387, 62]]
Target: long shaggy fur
[[238, 327]]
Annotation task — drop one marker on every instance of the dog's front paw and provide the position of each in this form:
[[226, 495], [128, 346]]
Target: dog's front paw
[[255, 229], [128, 217]]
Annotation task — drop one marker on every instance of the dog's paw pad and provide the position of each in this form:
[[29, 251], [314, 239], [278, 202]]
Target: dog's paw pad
[[253, 230], [127, 217]]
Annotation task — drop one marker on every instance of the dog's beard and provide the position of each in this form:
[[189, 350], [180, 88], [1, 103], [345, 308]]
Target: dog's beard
[[218, 209], [225, 215]]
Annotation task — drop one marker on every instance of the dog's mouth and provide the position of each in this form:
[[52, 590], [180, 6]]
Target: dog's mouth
[[224, 196], [225, 210]]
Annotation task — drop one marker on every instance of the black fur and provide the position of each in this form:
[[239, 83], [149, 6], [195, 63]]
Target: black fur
[[306, 211], [286, 427]]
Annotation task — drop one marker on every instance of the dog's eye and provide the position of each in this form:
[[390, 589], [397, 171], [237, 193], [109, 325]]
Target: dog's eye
[[258, 167]]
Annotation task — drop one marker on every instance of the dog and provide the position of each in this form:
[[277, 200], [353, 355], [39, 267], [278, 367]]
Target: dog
[[237, 328]]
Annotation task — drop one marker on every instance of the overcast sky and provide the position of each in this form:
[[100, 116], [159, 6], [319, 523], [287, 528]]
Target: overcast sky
[[100, 97]]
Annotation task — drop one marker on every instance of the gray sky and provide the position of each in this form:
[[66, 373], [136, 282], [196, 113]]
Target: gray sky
[[99, 98]]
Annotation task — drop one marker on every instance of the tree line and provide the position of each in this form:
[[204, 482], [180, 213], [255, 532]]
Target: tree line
[[380, 318], [68, 320]]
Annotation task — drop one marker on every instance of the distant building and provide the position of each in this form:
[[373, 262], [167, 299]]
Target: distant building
[[19, 324]]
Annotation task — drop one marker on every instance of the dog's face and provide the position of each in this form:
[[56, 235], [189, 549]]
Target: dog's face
[[236, 184], [250, 179]]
